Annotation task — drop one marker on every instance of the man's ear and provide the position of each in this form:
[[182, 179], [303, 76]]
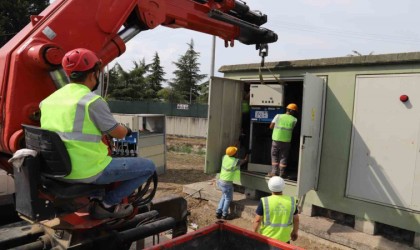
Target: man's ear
[[93, 74]]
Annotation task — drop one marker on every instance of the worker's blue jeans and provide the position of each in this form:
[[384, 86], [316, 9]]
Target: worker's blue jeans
[[131, 172], [227, 196]]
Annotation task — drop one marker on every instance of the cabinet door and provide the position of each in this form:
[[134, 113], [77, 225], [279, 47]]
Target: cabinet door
[[384, 159], [311, 133], [224, 119]]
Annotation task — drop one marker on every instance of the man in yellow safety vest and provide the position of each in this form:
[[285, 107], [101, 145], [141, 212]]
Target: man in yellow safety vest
[[282, 126], [229, 173], [81, 117], [277, 215]]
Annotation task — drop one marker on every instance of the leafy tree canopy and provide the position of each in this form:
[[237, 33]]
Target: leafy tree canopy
[[15, 15], [187, 74]]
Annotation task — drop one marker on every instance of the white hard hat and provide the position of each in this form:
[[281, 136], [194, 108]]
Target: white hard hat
[[276, 184]]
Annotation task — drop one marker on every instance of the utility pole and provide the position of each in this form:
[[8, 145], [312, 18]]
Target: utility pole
[[213, 56]]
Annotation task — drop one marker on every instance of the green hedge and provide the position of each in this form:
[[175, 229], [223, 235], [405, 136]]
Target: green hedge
[[169, 109]]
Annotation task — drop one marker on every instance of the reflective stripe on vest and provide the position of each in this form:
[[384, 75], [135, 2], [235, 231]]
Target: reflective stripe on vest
[[229, 171], [77, 134], [267, 221], [283, 128], [278, 217], [66, 112]]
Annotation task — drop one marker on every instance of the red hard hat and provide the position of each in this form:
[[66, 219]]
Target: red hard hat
[[79, 60]]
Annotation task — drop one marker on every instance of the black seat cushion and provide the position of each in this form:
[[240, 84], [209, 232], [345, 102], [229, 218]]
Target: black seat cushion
[[66, 190]]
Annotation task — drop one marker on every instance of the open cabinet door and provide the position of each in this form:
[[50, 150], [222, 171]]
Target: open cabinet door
[[224, 119], [311, 133]]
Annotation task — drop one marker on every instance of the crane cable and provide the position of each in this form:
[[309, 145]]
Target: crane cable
[[263, 52]]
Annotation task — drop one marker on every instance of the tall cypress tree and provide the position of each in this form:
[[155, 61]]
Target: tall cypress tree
[[14, 15], [155, 79], [187, 74]]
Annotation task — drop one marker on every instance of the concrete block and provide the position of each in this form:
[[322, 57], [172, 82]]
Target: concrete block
[[250, 194], [307, 209], [416, 243], [365, 226]]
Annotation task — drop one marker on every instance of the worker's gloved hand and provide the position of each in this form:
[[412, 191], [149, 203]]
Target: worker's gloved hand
[[129, 131]]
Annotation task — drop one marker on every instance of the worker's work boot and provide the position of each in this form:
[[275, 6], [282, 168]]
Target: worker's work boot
[[227, 217], [98, 211], [282, 172], [274, 171]]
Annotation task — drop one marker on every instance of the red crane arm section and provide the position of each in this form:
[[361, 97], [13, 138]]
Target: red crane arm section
[[30, 67], [189, 15]]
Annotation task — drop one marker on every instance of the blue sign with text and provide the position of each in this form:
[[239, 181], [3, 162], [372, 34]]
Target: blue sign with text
[[265, 114]]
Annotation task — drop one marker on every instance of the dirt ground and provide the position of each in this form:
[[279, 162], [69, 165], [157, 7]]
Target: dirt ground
[[185, 165]]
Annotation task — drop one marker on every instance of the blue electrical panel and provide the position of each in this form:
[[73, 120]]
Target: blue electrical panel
[[126, 147], [265, 114]]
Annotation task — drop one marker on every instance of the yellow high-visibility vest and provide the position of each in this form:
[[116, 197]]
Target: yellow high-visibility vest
[[284, 128], [277, 222], [230, 171], [66, 112]]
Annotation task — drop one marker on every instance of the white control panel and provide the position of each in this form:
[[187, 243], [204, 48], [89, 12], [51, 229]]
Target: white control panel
[[266, 95]]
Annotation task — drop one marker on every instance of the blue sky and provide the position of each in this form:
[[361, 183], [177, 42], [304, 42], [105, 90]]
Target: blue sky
[[307, 29]]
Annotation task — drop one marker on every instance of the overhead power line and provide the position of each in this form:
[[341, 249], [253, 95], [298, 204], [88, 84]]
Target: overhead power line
[[345, 33]]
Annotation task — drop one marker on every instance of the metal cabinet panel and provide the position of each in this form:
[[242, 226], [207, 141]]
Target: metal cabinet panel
[[311, 133], [384, 160], [224, 119], [151, 130], [150, 140], [266, 95], [152, 150]]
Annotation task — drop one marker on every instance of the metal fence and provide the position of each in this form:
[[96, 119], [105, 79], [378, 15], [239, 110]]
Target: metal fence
[[169, 109]]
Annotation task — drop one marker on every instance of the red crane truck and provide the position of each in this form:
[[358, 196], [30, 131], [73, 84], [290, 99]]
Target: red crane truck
[[30, 70]]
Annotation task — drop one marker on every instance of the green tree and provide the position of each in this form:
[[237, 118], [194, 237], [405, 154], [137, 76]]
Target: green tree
[[111, 81], [155, 79], [204, 93], [187, 74], [14, 15], [137, 81], [169, 95], [130, 85]]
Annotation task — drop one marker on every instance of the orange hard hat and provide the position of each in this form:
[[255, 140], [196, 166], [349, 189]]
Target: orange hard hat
[[231, 151], [79, 60], [292, 106]]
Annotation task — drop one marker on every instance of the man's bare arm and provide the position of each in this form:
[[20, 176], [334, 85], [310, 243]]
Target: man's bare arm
[[119, 132], [294, 234], [257, 222]]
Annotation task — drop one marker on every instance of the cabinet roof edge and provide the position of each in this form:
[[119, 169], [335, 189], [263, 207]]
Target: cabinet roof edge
[[383, 59]]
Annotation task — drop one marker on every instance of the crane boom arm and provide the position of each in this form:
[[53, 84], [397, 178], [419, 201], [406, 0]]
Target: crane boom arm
[[30, 67]]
